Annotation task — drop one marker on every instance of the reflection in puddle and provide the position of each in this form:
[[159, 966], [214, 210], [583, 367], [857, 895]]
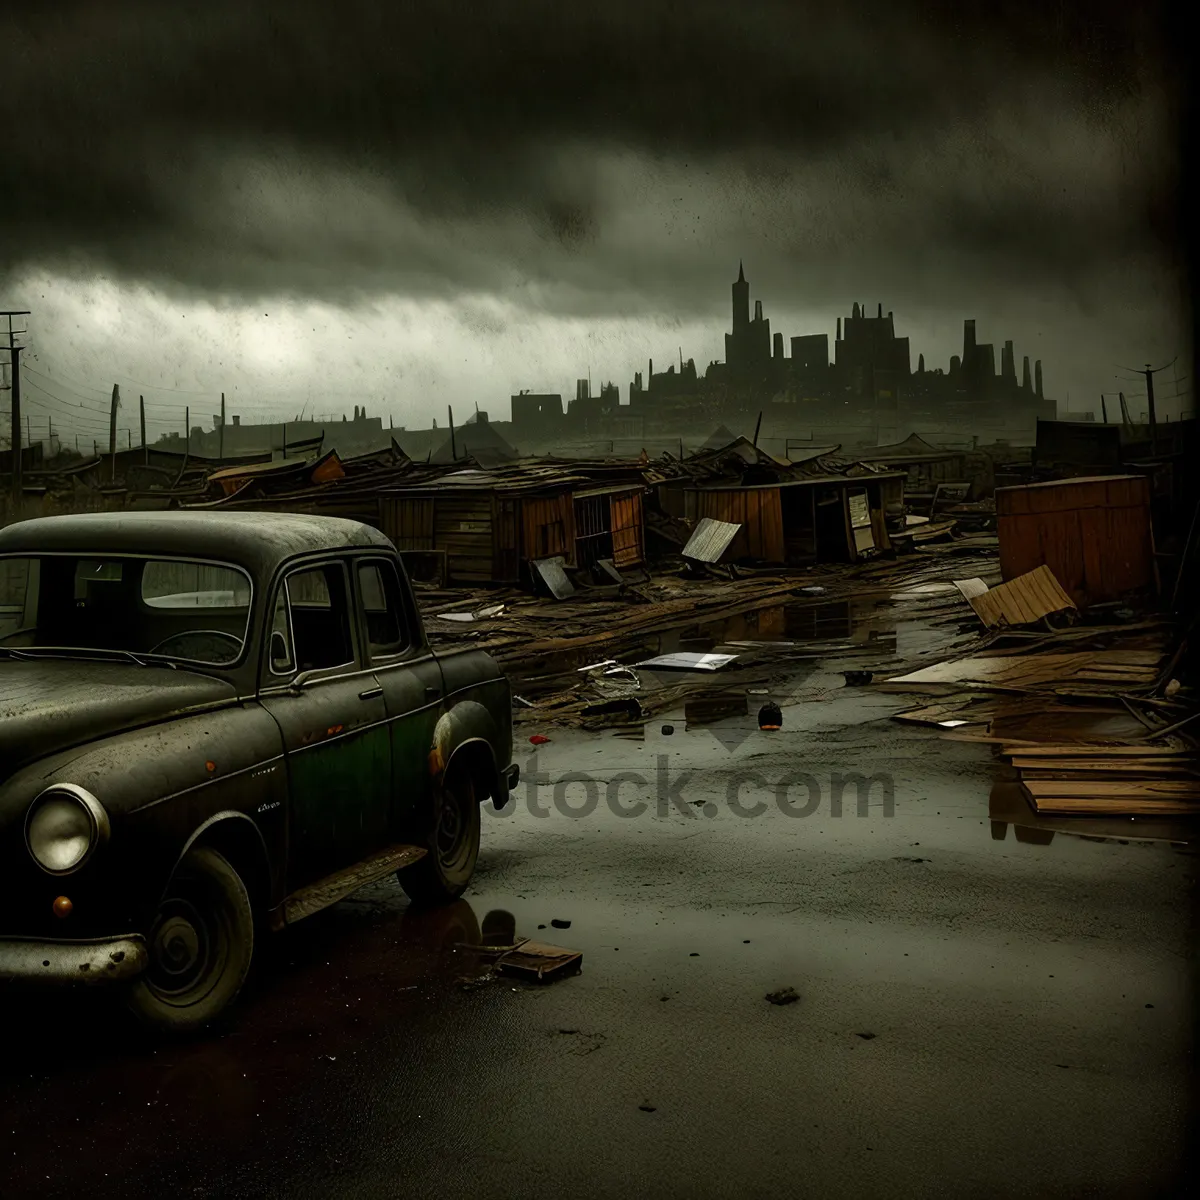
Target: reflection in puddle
[[1007, 805], [705, 710], [857, 620]]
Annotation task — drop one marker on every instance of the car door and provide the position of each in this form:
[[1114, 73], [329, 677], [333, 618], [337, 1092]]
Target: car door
[[331, 712], [409, 674]]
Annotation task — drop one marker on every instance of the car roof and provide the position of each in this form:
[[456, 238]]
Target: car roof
[[258, 541]]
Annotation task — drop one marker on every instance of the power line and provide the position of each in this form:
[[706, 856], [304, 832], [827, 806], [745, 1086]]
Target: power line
[[66, 382], [64, 400]]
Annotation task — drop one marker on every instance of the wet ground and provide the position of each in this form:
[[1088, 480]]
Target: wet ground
[[978, 1014]]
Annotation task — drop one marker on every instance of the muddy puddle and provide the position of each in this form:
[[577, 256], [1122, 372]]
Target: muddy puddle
[[807, 629]]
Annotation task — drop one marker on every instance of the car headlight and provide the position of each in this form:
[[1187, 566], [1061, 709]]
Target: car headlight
[[64, 826]]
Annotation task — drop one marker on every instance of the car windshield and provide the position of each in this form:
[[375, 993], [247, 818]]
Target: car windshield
[[128, 606]]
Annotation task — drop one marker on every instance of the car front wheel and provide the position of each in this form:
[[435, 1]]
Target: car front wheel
[[200, 946], [451, 839]]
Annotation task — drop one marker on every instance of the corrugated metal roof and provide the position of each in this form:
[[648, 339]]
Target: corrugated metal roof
[[710, 540]]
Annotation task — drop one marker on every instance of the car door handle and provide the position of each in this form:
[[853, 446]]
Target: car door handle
[[370, 693], [432, 693]]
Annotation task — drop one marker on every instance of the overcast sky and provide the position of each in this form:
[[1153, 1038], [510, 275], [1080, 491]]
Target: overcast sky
[[412, 206]]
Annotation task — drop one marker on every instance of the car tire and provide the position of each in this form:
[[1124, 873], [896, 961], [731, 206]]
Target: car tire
[[200, 946], [451, 839]]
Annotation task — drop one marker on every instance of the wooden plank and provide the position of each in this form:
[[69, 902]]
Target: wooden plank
[[1077, 769], [1092, 750], [1086, 806], [1177, 789]]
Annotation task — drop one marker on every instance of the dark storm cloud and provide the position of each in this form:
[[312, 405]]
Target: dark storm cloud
[[320, 148]]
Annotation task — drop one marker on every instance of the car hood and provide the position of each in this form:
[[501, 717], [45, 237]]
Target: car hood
[[50, 704]]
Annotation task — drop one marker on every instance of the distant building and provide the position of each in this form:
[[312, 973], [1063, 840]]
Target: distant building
[[866, 389]]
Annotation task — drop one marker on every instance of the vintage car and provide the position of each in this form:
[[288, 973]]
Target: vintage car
[[211, 726]]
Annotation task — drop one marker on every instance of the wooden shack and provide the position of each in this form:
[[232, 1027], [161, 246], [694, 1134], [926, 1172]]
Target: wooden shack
[[489, 524], [826, 518], [1094, 533]]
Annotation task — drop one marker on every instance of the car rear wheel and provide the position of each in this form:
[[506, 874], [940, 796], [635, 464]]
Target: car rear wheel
[[200, 946], [451, 838]]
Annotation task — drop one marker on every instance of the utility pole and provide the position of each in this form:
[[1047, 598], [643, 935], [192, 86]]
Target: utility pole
[[14, 356], [221, 434], [453, 448], [142, 415], [112, 429], [1149, 372]]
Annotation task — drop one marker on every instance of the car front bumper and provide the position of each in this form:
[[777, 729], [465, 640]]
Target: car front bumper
[[95, 963]]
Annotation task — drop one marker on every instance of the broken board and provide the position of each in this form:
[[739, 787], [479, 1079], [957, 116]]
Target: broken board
[[688, 661], [1022, 601], [540, 962]]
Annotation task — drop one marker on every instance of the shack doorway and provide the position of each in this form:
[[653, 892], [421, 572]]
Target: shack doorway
[[835, 537], [593, 530]]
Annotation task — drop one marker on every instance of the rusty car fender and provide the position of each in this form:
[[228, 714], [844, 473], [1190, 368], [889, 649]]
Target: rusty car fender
[[468, 734]]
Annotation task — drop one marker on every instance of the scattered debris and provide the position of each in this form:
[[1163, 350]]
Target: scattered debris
[[647, 1108], [558, 923], [858, 678], [710, 540], [668, 729], [524, 958], [688, 661], [630, 707], [770, 717], [785, 995], [541, 962], [608, 568], [866, 1037], [1026, 600], [1007, 670], [553, 575], [1108, 780], [538, 739]]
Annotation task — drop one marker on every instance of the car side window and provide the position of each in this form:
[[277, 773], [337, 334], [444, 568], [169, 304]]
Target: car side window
[[283, 661], [318, 612], [382, 609]]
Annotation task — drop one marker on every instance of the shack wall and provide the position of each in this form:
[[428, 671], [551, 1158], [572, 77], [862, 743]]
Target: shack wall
[[462, 527], [407, 521], [548, 527], [628, 529], [757, 510], [1095, 534]]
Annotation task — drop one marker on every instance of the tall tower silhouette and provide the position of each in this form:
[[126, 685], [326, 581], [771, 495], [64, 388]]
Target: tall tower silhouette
[[741, 301]]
